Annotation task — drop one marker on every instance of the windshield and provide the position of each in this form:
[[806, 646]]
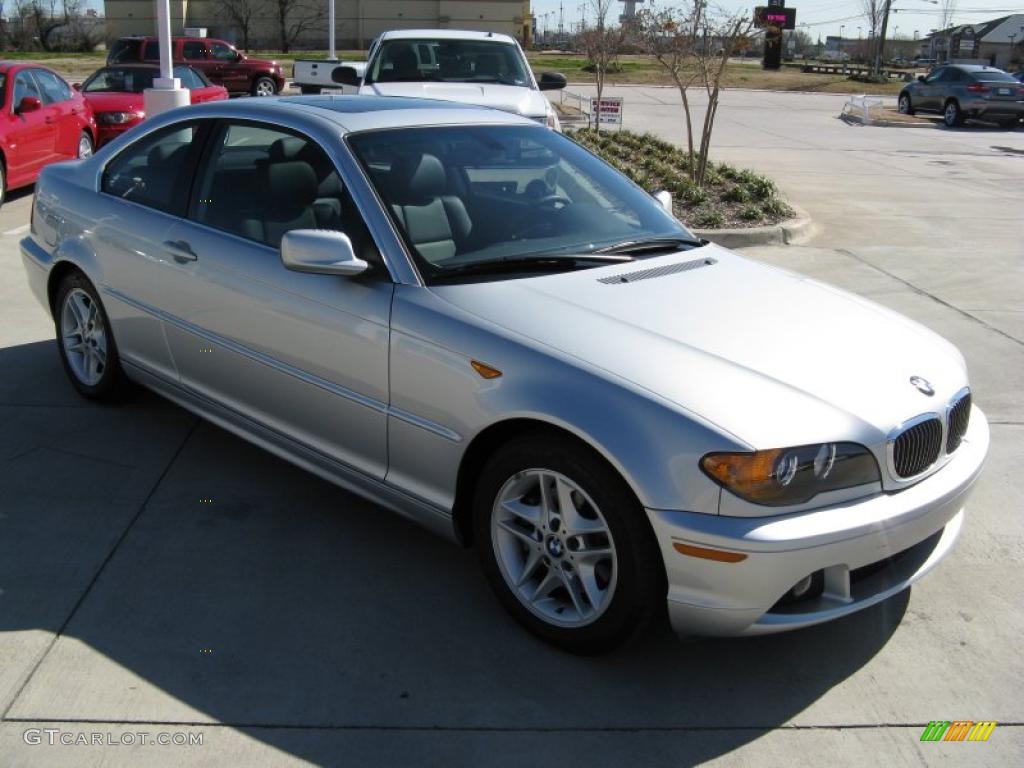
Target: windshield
[[125, 79], [464, 195], [449, 61]]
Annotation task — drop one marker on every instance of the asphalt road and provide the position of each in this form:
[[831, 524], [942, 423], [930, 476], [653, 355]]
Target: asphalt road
[[286, 621]]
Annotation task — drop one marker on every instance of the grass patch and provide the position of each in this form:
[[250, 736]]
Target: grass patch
[[730, 197]]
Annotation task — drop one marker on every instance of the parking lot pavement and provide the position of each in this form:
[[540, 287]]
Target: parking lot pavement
[[158, 575]]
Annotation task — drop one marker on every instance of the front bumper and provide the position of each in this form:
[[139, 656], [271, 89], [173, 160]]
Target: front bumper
[[900, 535]]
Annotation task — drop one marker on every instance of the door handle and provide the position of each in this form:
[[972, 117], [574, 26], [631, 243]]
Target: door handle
[[180, 251]]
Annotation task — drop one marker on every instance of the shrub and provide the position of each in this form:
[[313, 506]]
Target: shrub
[[711, 219], [736, 195], [751, 213]]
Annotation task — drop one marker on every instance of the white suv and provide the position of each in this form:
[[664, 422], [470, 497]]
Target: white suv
[[482, 68]]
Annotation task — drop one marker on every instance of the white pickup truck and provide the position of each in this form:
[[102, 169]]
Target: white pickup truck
[[314, 75], [483, 68]]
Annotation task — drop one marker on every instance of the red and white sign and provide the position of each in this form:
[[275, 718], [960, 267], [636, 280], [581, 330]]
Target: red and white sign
[[608, 110]]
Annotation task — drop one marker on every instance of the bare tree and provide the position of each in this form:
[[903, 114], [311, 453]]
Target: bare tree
[[601, 44], [872, 11], [693, 45], [294, 17], [243, 15]]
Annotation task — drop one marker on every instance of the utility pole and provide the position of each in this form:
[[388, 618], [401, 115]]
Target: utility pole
[[881, 38]]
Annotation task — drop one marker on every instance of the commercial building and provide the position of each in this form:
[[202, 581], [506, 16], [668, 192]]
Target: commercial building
[[998, 43], [358, 21]]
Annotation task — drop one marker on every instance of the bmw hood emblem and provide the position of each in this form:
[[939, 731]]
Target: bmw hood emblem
[[922, 385]]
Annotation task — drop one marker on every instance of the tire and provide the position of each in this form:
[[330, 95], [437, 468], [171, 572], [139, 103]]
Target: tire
[[85, 146], [95, 372], [264, 86], [952, 115], [598, 572], [311, 90], [905, 107]]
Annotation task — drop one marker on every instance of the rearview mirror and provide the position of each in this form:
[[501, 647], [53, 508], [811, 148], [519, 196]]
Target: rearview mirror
[[320, 251], [29, 104], [552, 81], [665, 198], [346, 76]]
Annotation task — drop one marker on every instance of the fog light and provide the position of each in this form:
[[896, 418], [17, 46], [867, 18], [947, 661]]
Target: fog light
[[807, 588]]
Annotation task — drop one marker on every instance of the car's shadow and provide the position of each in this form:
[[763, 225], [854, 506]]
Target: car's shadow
[[232, 586]]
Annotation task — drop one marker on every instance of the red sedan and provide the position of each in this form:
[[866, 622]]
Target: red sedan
[[116, 94], [43, 121]]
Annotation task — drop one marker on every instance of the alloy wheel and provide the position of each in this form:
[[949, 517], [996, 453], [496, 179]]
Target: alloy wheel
[[264, 87], [554, 548], [904, 105], [84, 337], [84, 147]]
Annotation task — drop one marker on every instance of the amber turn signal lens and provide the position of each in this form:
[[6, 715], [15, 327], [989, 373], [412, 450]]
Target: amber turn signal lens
[[719, 555], [484, 370]]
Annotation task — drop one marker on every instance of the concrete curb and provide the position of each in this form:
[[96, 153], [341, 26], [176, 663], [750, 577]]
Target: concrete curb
[[799, 229], [851, 119]]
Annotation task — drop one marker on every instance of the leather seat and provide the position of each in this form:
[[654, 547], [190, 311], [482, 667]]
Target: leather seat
[[291, 189], [327, 205], [436, 224]]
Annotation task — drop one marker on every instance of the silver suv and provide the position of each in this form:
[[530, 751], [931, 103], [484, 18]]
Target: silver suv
[[959, 91]]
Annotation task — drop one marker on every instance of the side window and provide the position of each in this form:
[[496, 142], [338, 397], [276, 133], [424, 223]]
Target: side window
[[260, 182], [54, 89], [151, 51], [193, 50], [188, 77], [156, 170], [24, 85], [223, 52]]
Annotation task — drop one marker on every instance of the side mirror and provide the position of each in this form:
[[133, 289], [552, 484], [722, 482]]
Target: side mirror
[[552, 81], [77, 86], [321, 251], [920, 78], [29, 104], [346, 76], [665, 198]]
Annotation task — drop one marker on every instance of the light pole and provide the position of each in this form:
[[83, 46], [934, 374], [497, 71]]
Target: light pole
[[860, 44], [841, 28], [166, 92]]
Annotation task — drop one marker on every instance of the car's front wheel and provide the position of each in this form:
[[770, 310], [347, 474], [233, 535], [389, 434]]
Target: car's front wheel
[[85, 147], [87, 348], [905, 107], [566, 545], [952, 115], [264, 86]]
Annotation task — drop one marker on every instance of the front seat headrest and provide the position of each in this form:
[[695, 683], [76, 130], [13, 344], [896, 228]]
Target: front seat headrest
[[416, 178]]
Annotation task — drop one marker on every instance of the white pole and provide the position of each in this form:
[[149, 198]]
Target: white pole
[[166, 92], [330, 24]]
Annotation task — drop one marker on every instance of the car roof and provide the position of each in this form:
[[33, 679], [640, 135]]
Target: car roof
[[975, 68], [6, 65], [359, 113], [445, 34]]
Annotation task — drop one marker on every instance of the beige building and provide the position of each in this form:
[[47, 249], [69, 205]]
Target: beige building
[[358, 21]]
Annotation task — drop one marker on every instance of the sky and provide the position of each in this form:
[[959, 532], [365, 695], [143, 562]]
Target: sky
[[822, 17]]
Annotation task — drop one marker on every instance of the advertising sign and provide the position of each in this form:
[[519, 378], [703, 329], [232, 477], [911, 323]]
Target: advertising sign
[[608, 110]]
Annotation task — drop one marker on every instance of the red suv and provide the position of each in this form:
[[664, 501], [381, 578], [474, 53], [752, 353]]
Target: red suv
[[42, 121], [218, 60]]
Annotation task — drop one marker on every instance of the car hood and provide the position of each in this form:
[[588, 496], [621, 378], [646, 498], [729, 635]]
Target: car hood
[[102, 101], [771, 357], [262, 63], [509, 98]]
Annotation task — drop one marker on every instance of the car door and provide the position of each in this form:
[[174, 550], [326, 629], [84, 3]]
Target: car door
[[931, 90], [196, 54], [32, 137], [66, 111], [145, 189], [232, 72], [303, 354]]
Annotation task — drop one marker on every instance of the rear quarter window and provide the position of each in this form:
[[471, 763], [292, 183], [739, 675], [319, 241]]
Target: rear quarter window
[[123, 50]]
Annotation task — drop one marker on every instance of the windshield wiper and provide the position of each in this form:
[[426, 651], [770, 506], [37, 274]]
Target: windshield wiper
[[653, 244], [528, 264]]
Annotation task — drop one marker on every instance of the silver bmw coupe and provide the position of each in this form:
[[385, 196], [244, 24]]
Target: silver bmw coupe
[[476, 323]]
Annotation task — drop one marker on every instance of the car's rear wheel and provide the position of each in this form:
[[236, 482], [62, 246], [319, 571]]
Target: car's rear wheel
[[905, 107], [566, 545], [87, 348], [264, 86], [952, 115], [85, 148]]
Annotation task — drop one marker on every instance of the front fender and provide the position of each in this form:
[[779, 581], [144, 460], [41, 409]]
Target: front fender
[[439, 404]]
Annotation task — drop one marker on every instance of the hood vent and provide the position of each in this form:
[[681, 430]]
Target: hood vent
[[648, 274]]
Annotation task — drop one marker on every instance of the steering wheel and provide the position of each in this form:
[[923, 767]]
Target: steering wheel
[[552, 201]]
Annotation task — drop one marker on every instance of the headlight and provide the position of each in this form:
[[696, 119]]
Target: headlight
[[785, 476], [551, 120], [118, 118]]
